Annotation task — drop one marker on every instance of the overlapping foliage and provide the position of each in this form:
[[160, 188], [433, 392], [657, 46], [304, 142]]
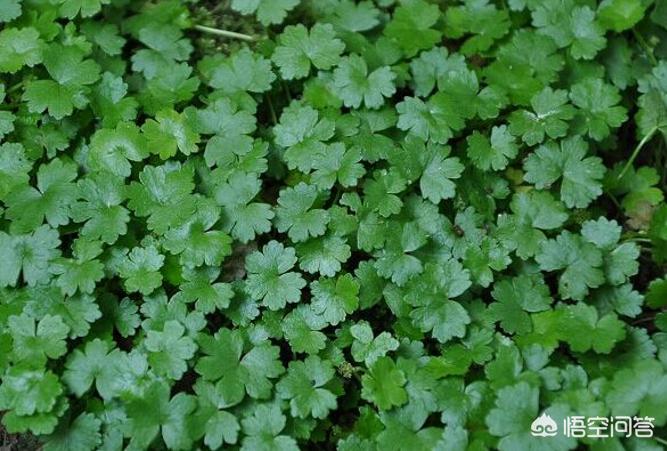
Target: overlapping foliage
[[381, 225]]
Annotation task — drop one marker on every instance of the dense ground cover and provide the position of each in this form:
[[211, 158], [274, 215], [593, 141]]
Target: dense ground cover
[[273, 224]]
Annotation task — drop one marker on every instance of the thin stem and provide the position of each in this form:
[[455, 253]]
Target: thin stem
[[660, 153], [638, 240], [219, 7], [224, 33], [630, 235], [647, 319], [635, 152], [286, 89], [15, 87], [337, 195], [614, 200], [274, 118], [662, 441], [645, 46]]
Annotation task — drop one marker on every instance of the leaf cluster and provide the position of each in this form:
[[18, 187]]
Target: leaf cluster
[[383, 224]]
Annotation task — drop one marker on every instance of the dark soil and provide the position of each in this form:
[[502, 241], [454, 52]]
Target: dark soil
[[17, 442]]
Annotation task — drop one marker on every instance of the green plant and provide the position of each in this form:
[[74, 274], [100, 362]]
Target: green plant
[[274, 224]]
